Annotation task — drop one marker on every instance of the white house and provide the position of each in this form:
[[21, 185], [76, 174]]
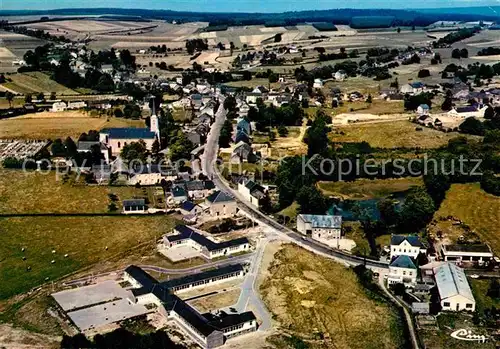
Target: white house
[[251, 191], [320, 226], [406, 245], [423, 109], [77, 105], [454, 291], [469, 254], [413, 88], [318, 83], [472, 111], [402, 270], [186, 236], [340, 75], [136, 206], [58, 107]]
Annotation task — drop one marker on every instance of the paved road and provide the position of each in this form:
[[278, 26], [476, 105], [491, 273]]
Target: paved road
[[208, 163]]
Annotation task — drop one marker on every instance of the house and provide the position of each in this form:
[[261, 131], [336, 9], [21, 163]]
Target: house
[[150, 174], [135, 206], [196, 101], [221, 204], [243, 109], [406, 245], [318, 83], [260, 89], [206, 330], [77, 105], [241, 136], [420, 308], [58, 107], [244, 125], [186, 236], [454, 291], [468, 254], [251, 191], [252, 97], [199, 189], [190, 208], [340, 75], [413, 88], [471, 111], [107, 68], [423, 109], [179, 194], [320, 226], [402, 270], [87, 147], [243, 152]]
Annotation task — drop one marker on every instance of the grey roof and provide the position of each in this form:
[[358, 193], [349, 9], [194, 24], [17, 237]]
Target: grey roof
[[323, 221], [195, 185], [412, 240], [219, 196], [179, 191], [231, 320], [140, 276], [467, 109], [188, 206], [186, 232], [134, 202], [451, 281], [129, 133], [87, 146], [479, 248], [403, 261], [243, 149], [190, 279]]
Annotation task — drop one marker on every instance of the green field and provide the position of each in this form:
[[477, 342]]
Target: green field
[[35, 82], [83, 239], [34, 192], [322, 302], [363, 189], [476, 208]]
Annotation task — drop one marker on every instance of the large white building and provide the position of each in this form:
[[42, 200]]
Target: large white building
[[468, 254], [117, 138], [251, 191], [410, 246], [207, 330], [320, 226], [454, 291], [186, 236]]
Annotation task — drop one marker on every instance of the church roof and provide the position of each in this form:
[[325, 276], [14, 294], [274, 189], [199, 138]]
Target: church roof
[[129, 133]]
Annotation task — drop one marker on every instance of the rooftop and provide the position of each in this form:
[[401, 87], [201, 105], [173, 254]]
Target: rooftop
[[134, 202], [190, 279], [482, 248], [403, 261], [451, 281], [129, 133], [186, 232], [219, 196], [322, 221], [412, 240]]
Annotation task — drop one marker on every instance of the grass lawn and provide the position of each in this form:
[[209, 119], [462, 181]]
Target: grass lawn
[[480, 289], [377, 107], [476, 208], [313, 297], [362, 189], [84, 239], [34, 82], [48, 125], [393, 134], [33, 192]]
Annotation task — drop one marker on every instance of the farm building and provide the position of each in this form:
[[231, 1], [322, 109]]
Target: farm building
[[454, 291], [320, 226]]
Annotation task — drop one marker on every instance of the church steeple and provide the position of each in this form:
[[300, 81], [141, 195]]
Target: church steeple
[[154, 123]]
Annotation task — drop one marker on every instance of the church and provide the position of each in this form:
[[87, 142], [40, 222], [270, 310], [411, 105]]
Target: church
[[116, 138]]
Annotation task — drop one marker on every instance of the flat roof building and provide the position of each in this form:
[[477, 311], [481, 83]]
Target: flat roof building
[[454, 291]]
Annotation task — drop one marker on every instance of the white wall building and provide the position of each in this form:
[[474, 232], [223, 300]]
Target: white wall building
[[402, 270], [454, 290], [320, 226], [406, 245]]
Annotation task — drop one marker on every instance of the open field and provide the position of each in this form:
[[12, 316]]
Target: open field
[[49, 125], [479, 210], [217, 301], [35, 82], [86, 240], [12, 48], [313, 297], [363, 189], [34, 192], [392, 134]]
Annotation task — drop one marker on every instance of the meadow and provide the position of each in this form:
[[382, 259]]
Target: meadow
[[474, 207], [49, 125], [85, 241], [34, 82], [393, 134], [322, 303]]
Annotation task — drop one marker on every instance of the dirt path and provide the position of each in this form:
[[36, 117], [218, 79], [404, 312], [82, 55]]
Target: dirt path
[[11, 338]]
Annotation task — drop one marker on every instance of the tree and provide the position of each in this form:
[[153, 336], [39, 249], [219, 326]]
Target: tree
[[28, 98], [118, 113], [423, 73], [417, 211], [225, 134], [57, 148], [155, 151], [134, 151], [10, 97], [105, 83], [273, 77], [180, 147], [472, 126], [437, 184], [447, 104], [455, 53], [317, 135], [464, 53], [494, 289], [388, 212], [71, 148], [369, 99], [398, 30], [52, 96], [40, 96], [282, 131], [230, 103], [489, 113], [311, 200]]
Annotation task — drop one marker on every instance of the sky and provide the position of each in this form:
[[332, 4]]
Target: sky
[[239, 5]]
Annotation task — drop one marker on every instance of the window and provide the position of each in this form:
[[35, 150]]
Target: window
[[404, 272], [410, 273], [468, 306], [119, 145], [446, 304]]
